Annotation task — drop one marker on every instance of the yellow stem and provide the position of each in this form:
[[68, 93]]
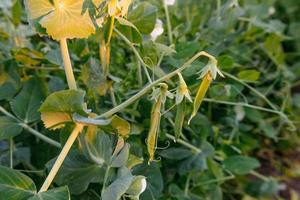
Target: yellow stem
[[67, 64], [78, 128]]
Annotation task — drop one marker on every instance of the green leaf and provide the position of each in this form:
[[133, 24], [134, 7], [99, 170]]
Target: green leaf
[[9, 128], [96, 145], [59, 107], [54, 56], [26, 104], [65, 101], [77, 172], [225, 62], [15, 185], [137, 187], [241, 165], [21, 155], [93, 77], [154, 180], [249, 75], [215, 193], [121, 158], [149, 53], [273, 47], [9, 82], [125, 22], [143, 16], [61, 193], [115, 190], [163, 49], [120, 125], [176, 153]]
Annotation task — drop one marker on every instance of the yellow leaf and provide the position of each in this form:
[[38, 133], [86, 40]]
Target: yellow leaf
[[124, 5], [97, 2], [113, 7], [38, 8], [64, 19], [121, 126], [55, 120]]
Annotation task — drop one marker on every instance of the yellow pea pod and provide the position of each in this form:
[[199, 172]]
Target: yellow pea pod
[[153, 134], [105, 57], [155, 122], [207, 79]]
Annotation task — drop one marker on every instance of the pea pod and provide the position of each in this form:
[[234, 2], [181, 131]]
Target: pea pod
[[155, 122], [207, 79], [179, 119]]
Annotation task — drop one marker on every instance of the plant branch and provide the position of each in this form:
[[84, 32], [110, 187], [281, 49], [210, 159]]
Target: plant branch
[[147, 88], [184, 143], [252, 89], [105, 179], [11, 152], [78, 127], [137, 54], [61, 157], [31, 130], [281, 114]]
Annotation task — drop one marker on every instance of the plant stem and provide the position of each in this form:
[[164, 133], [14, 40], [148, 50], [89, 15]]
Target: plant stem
[[258, 175], [184, 143], [281, 114], [157, 71], [187, 185], [67, 64], [218, 9], [11, 152], [112, 96], [105, 179], [31, 130], [131, 46], [139, 73], [151, 85], [169, 26], [252, 89], [78, 128]]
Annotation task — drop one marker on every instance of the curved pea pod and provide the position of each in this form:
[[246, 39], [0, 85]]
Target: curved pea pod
[[207, 79], [179, 119], [155, 121]]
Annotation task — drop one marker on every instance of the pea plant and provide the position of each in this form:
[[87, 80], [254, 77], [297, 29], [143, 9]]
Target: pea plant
[[133, 99]]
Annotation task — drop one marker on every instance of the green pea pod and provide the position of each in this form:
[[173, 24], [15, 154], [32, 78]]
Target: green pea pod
[[179, 119]]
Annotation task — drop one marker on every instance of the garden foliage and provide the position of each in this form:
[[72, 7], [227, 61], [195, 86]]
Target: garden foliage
[[149, 99]]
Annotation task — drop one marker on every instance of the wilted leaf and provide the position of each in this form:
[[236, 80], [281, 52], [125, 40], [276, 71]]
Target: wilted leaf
[[120, 125]]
